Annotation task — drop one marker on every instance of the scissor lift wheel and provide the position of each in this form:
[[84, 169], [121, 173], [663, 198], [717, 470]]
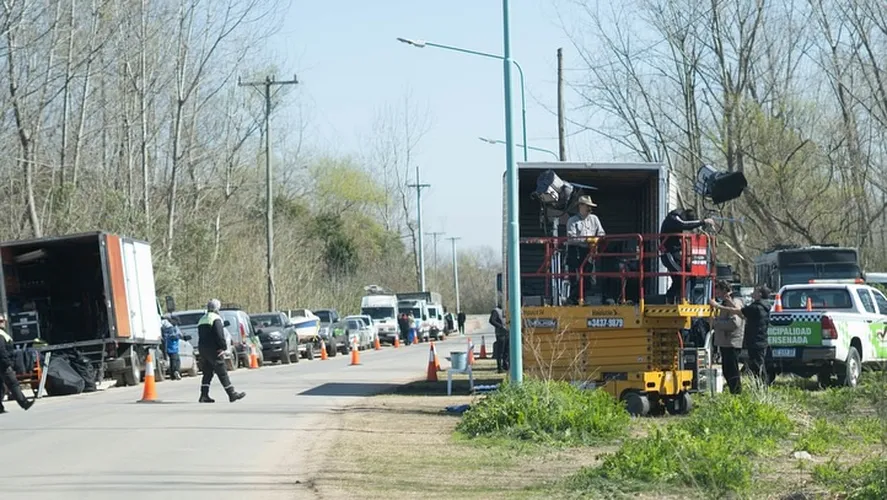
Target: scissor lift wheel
[[637, 403]]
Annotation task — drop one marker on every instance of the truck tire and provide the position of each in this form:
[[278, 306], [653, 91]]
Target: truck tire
[[309, 352], [297, 355], [852, 369], [332, 350], [159, 372], [133, 375]]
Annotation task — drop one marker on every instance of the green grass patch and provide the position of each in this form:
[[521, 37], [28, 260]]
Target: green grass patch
[[864, 481], [819, 438], [712, 449], [548, 412]]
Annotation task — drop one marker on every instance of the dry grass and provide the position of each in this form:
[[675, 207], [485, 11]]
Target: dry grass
[[402, 445]]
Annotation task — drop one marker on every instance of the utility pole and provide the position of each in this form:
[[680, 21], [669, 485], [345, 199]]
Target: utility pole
[[561, 128], [456, 273], [435, 235], [421, 250], [269, 201]]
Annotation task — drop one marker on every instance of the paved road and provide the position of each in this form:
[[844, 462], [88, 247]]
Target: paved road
[[106, 446]]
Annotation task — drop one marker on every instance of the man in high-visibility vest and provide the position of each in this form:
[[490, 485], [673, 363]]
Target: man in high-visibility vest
[[7, 374], [212, 345]]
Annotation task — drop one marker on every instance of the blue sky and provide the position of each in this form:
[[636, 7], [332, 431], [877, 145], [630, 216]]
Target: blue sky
[[349, 63]]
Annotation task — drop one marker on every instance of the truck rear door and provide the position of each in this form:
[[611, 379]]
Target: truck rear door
[[140, 292]]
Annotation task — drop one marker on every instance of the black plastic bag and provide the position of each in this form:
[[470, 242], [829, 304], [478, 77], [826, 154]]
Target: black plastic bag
[[84, 368], [62, 379]]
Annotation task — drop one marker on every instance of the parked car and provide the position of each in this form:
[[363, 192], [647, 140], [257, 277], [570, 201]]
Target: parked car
[[327, 318], [367, 332], [337, 337], [188, 325], [243, 335], [279, 340]]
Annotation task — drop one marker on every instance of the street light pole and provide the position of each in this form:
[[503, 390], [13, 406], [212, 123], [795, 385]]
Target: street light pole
[[269, 200], [456, 273], [523, 98], [514, 285], [421, 249], [543, 150]]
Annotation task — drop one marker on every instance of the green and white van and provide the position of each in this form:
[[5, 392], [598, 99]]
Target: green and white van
[[844, 329]]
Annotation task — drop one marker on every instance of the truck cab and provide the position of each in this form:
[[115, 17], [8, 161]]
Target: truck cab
[[383, 309], [828, 328]]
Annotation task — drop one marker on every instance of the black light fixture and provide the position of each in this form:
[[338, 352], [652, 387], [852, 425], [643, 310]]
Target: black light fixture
[[556, 195], [719, 187]]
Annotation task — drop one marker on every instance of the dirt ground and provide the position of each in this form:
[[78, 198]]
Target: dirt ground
[[402, 445]]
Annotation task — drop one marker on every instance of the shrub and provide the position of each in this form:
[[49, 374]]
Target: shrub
[[712, 448], [546, 411], [864, 481]]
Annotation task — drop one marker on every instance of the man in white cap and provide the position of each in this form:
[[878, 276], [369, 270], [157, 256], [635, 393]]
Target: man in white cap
[[212, 344], [580, 229]]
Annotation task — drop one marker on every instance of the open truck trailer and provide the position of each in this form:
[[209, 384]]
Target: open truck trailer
[[92, 293], [621, 336]]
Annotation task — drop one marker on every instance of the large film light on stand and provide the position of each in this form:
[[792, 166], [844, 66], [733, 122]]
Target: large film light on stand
[[719, 187], [556, 197]]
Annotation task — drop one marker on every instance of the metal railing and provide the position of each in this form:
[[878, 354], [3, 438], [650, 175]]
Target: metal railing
[[640, 251]]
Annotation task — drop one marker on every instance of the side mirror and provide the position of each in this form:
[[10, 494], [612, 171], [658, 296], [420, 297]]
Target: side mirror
[[170, 303], [227, 323], [187, 337]]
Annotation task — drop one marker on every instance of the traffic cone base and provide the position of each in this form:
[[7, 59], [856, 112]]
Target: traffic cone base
[[397, 341], [323, 355], [376, 344], [149, 394], [483, 348]]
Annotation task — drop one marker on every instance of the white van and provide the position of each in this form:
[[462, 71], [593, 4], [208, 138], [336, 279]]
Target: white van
[[384, 312]]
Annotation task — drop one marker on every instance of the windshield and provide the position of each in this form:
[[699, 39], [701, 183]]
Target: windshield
[[414, 312], [800, 274], [188, 319], [325, 316], [378, 312], [432, 312], [354, 324], [271, 319], [821, 298]]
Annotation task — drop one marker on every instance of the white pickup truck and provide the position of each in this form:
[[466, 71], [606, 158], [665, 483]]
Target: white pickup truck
[[828, 329]]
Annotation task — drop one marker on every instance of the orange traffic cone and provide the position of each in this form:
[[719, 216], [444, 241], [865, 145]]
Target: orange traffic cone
[[355, 353], [253, 358], [778, 306], [809, 304], [436, 359], [376, 344], [432, 369], [483, 348], [149, 395], [397, 341], [470, 353], [323, 355], [416, 338]]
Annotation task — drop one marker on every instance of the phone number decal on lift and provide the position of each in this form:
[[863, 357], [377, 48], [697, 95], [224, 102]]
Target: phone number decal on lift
[[605, 323]]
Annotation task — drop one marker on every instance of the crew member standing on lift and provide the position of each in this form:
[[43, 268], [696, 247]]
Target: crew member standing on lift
[[580, 228], [672, 256]]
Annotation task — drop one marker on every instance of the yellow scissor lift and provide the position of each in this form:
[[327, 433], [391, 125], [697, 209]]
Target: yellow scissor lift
[[633, 351]]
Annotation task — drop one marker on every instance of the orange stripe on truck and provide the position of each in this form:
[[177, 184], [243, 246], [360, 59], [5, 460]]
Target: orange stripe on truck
[[117, 278]]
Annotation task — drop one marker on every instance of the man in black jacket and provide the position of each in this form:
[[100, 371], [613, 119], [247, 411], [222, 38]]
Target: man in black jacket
[[212, 345], [671, 251], [500, 348], [460, 318], [7, 374]]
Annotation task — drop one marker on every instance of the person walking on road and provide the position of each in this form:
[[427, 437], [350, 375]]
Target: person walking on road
[[460, 318], [728, 336], [7, 374], [171, 335], [757, 321], [500, 347], [403, 324], [212, 345]]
